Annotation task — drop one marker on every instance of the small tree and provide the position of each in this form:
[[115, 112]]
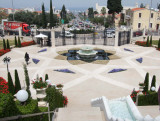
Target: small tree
[[44, 22], [8, 46], [27, 79], [151, 41], [147, 44], [159, 44], [17, 82], [19, 42], [10, 84], [142, 6], [153, 84], [15, 41], [4, 44], [146, 82], [46, 77]]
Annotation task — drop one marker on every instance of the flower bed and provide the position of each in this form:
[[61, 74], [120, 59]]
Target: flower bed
[[2, 51], [3, 86], [142, 43], [134, 95], [23, 44]]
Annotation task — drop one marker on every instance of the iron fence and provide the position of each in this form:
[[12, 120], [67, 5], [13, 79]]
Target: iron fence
[[123, 38]]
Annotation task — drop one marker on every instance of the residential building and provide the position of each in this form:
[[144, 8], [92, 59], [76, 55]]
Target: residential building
[[140, 18], [99, 8]]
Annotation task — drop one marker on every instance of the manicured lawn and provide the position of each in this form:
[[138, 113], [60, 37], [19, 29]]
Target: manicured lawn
[[11, 42], [155, 42]]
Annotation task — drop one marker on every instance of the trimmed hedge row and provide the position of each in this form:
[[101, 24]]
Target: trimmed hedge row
[[150, 99], [8, 107]]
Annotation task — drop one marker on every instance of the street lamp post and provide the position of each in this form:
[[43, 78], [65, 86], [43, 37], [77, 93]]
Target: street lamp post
[[150, 16], [13, 10], [6, 60]]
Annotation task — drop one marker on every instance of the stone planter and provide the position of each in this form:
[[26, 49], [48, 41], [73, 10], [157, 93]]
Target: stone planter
[[41, 94]]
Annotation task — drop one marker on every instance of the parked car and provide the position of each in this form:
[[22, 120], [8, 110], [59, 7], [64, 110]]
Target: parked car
[[138, 33], [67, 34]]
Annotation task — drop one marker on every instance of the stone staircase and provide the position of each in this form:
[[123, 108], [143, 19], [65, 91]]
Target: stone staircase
[[79, 114]]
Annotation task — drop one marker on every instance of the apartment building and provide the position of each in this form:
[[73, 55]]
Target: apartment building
[[140, 18]]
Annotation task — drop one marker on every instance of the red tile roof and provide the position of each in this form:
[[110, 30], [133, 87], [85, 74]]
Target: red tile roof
[[136, 9]]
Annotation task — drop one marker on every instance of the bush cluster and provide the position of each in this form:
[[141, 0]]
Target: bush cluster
[[149, 99]]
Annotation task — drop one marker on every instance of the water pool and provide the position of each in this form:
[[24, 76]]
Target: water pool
[[120, 109]]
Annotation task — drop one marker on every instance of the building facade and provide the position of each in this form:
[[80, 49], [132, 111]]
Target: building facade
[[140, 18]]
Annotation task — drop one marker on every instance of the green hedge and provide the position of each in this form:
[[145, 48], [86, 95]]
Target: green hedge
[[150, 99], [30, 107], [44, 109], [7, 106]]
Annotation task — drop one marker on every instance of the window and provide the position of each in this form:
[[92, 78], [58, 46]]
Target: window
[[140, 14], [150, 25], [139, 25], [151, 15]]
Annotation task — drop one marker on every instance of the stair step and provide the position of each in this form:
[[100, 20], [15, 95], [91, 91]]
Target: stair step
[[72, 109], [92, 115]]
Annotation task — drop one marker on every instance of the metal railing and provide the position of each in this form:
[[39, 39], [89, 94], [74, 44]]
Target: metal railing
[[26, 116]]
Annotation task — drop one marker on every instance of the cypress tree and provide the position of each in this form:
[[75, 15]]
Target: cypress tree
[[159, 44], [8, 46], [51, 15], [27, 79], [17, 82], [146, 82], [44, 23], [10, 84], [4, 44], [15, 41], [19, 42], [147, 44], [151, 41], [153, 84], [46, 77]]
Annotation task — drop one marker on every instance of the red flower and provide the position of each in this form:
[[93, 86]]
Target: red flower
[[23, 44], [3, 86]]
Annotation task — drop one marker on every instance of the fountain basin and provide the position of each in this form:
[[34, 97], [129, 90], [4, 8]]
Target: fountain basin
[[87, 53]]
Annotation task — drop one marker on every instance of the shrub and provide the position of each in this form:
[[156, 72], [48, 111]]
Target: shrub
[[3, 86], [4, 44], [159, 44], [46, 77], [147, 44], [17, 82], [150, 99], [8, 46], [15, 41], [7, 106], [10, 84], [134, 95], [150, 41], [146, 82], [2, 51], [19, 42], [27, 80], [30, 107], [141, 43], [23, 44], [44, 109], [153, 84]]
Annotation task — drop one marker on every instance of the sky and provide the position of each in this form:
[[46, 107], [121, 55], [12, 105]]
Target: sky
[[70, 4]]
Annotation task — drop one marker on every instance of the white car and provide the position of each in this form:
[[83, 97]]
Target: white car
[[73, 28], [67, 34]]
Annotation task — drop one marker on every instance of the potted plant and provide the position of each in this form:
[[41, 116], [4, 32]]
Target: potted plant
[[59, 86], [39, 84]]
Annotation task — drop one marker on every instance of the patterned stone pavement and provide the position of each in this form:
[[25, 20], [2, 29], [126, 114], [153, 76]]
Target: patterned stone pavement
[[90, 80]]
